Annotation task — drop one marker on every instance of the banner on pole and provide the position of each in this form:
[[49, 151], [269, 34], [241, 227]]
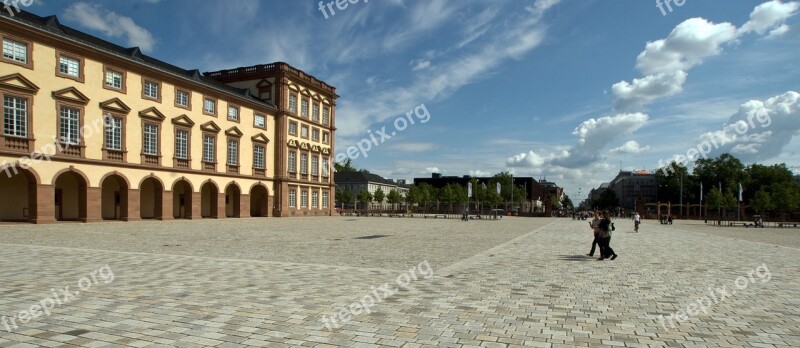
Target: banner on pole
[[469, 190]]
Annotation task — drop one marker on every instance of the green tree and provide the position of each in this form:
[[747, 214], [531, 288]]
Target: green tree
[[365, 197], [345, 166], [379, 196], [714, 199], [761, 202], [566, 202], [394, 198], [344, 197]]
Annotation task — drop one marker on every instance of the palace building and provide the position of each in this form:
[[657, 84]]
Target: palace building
[[94, 131]]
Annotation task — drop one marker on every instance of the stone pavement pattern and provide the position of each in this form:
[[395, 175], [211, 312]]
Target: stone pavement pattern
[[534, 290]]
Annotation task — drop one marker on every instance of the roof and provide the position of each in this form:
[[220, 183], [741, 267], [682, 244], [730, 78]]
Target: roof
[[362, 177], [51, 25]]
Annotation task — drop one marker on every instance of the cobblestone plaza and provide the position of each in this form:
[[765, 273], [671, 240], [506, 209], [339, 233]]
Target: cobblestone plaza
[[510, 283]]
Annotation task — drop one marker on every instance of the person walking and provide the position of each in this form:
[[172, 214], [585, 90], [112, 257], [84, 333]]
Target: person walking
[[605, 234], [636, 221], [595, 226]]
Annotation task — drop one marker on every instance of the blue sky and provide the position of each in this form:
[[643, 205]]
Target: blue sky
[[570, 90]]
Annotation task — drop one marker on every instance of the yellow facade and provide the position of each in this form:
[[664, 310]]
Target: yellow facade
[[94, 131]]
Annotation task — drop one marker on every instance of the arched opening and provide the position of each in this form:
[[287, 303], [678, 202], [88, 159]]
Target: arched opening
[[209, 193], [258, 201], [114, 198], [151, 193], [70, 197], [232, 196], [21, 185], [182, 200]]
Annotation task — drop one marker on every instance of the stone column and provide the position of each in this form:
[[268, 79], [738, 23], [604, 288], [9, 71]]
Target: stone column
[[45, 205]]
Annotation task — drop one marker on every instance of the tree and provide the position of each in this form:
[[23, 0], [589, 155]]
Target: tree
[[344, 197], [365, 197], [394, 198], [566, 202], [379, 196], [345, 166], [606, 200], [761, 202], [714, 199]]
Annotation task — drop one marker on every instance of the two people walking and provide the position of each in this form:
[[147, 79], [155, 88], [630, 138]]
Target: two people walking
[[602, 227]]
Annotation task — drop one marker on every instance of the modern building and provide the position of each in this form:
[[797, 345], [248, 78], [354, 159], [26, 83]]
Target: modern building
[[356, 182], [631, 186], [94, 131]]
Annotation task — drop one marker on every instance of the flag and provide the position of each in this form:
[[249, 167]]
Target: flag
[[701, 192], [498, 188], [469, 189], [740, 191]]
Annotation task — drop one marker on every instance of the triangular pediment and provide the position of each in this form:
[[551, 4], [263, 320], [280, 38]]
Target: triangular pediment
[[71, 94], [260, 138], [115, 105], [19, 83], [264, 83], [304, 146], [234, 132], [183, 120], [292, 143], [153, 114], [210, 126], [326, 150], [306, 93]]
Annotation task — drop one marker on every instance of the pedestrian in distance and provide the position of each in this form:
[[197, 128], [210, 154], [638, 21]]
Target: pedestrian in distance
[[636, 221], [605, 233], [595, 226]]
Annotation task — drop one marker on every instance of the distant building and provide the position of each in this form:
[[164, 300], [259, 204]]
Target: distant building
[[630, 186], [360, 181]]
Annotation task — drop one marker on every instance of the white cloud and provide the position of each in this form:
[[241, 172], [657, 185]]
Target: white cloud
[[760, 130], [594, 136], [95, 17], [630, 147], [420, 65], [770, 15], [666, 62], [430, 170], [640, 92], [778, 32]]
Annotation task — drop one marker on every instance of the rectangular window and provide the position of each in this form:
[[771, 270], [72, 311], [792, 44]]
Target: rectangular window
[[150, 143], [114, 79], [326, 137], [70, 124], [69, 66], [15, 117], [315, 199], [15, 50], [325, 200], [315, 112], [304, 199], [325, 169], [208, 148], [292, 198], [259, 157], [233, 113], [304, 107], [292, 162], [259, 121], [304, 163], [233, 152], [293, 102], [113, 133], [314, 165], [315, 134], [304, 132], [182, 99], [151, 89], [210, 106], [326, 115], [182, 144], [293, 128]]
